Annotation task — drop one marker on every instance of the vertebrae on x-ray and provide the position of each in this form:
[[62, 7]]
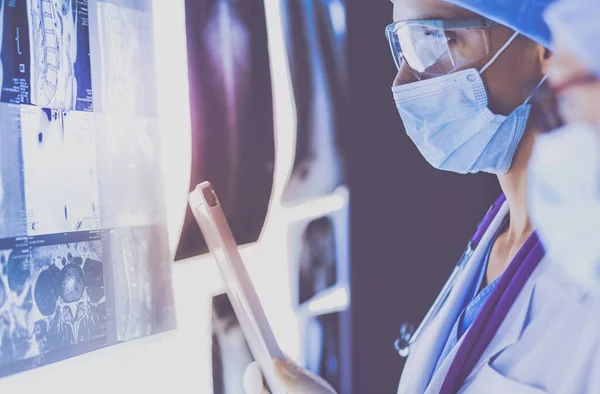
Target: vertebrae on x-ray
[[54, 48]]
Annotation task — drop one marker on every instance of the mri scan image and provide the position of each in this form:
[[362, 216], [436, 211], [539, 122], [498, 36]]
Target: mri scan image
[[233, 141], [315, 36], [45, 53], [52, 298], [68, 293], [121, 41], [16, 304], [15, 56], [61, 185], [130, 172], [12, 195], [139, 277]]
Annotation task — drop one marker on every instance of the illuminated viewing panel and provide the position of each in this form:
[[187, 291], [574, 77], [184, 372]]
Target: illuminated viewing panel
[[84, 247]]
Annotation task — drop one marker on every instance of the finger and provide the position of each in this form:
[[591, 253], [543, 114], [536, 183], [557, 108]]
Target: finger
[[286, 372], [253, 380], [299, 380]]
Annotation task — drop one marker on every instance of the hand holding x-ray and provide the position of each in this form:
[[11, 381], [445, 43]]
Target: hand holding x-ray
[[293, 378]]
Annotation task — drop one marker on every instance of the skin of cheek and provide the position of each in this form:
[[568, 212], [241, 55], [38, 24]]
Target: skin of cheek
[[516, 72]]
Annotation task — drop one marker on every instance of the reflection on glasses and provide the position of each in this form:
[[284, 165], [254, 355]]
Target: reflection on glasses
[[433, 48]]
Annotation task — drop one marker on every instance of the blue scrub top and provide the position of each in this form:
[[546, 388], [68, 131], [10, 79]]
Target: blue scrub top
[[474, 303]]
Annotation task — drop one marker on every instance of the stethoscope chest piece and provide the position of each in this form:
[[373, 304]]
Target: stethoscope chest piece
[[408, 333], [402, 344]]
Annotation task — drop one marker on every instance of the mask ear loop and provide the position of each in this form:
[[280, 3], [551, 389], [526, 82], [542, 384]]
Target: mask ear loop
[[536, 89], [497, 55]]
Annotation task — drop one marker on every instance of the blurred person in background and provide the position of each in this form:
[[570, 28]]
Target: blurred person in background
[[504, 322], [565, 167]]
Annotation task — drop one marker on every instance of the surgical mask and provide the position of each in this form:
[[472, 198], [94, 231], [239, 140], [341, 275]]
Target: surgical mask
[[564, 199], [449, 121]]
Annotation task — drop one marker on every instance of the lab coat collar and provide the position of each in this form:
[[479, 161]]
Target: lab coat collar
[[426, 351]]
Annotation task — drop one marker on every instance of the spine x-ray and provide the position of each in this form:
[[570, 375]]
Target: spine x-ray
[[45, 53], [84, 258]]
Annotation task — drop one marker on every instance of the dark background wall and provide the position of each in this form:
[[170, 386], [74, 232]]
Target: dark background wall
[[409, 222]]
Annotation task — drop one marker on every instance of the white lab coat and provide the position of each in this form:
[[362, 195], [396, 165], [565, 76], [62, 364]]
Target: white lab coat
[[548, 343]]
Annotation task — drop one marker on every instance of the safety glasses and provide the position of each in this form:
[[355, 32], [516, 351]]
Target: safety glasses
[[432, 48]]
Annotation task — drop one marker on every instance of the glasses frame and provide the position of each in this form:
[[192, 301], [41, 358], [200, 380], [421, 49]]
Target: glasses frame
[[441, 24]]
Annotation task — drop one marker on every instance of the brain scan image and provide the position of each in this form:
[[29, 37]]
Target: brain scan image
[[68, 293], [139, 270], [121, 42], [16, 305], [130, 172], [61, 184], [12, 198]]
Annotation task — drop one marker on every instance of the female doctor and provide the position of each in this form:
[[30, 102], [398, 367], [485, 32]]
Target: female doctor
[[504, 323], [564, 172]]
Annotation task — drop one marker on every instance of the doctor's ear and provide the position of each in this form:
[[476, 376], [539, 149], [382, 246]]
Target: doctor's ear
[[546, 59]]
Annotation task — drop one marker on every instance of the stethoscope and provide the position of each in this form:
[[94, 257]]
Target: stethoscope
[[408, 334]]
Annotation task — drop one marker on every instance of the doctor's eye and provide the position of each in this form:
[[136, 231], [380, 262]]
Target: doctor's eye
[[434, 33], [451, 36]]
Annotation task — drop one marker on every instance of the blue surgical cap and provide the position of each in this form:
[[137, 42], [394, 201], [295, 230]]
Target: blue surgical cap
[[524, 16], [576, 24]]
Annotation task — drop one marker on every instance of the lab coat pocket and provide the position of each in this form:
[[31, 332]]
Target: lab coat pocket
[[488, 380]]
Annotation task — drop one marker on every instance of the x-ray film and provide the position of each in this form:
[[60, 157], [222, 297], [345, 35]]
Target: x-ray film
[[322, 348], [318, 252], [13, 221], [129, 172], [315, 36], [123, 48], [61, 185], [141, 5], [318, 261], [52, 299], [45, 53], [84, 252], [231, 353], [233, 141], [15, 302], [139, 280], [68, 293]]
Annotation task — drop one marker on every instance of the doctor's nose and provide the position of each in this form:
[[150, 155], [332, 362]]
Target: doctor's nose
[[405, 75]]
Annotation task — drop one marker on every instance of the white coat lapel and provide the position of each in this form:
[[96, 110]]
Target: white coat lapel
[[509, 333], [512, 327], [425, 352]]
